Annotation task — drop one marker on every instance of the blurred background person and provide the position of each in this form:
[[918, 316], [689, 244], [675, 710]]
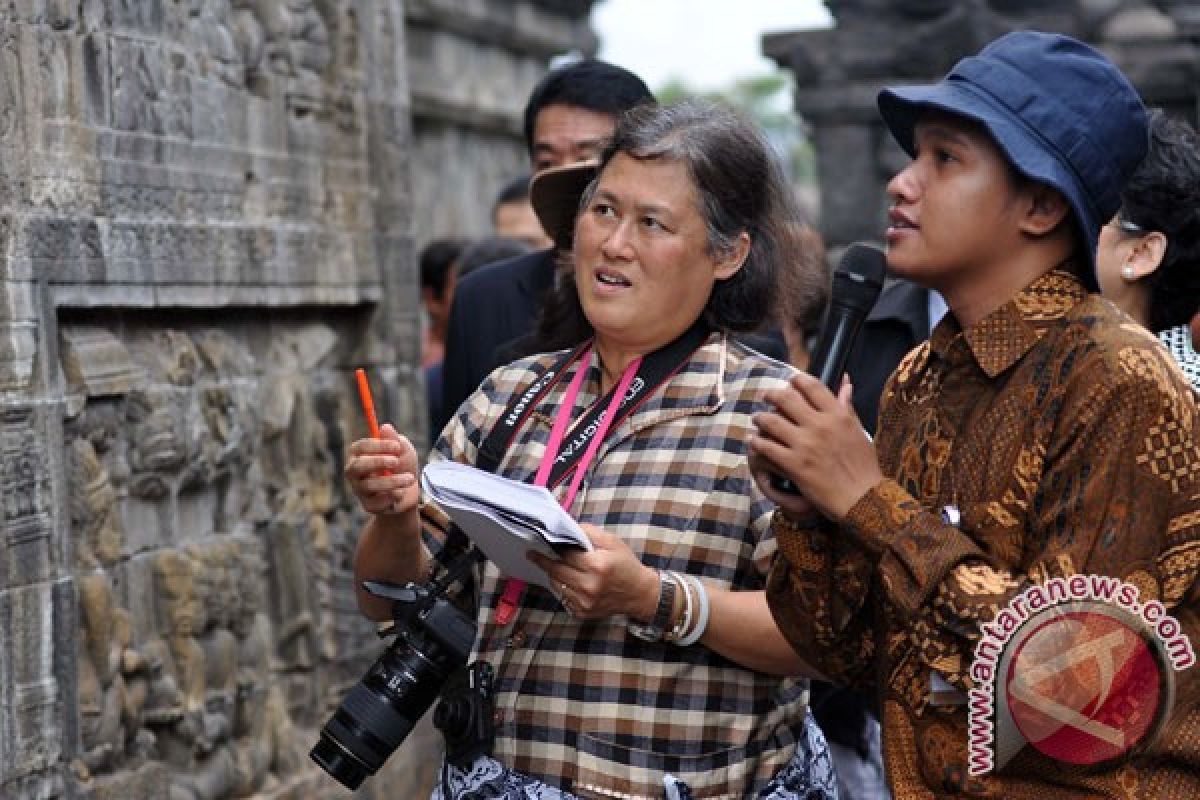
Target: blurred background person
[[804, 303], [513, 217], [436, 265], [570, 117], [472, 254], [1148, 255]]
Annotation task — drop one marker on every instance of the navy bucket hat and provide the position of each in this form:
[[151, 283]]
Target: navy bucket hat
[[1060, 110]]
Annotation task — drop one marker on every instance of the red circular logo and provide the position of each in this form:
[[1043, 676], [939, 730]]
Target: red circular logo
[[1087, 685]]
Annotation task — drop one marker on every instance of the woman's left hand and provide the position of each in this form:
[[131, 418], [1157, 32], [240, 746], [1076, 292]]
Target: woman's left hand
[[605, 581]]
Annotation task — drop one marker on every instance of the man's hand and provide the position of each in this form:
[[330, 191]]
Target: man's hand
[[814, 439]]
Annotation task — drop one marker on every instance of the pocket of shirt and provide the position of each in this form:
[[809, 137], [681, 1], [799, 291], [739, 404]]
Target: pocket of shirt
[[608, 769]]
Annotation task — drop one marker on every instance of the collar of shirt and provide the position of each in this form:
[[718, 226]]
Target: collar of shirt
[[1004, 336], [697, 389]]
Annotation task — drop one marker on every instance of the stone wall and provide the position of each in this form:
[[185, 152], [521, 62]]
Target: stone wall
[[875, 43], [471, 67], [205, 225]]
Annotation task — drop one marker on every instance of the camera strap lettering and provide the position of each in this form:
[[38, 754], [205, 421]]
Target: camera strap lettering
[[640, 380], [500, 438]]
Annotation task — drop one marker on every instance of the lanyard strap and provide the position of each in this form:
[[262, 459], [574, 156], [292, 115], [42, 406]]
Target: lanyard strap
[[500, 437], [515, 587], [638, 382], [550, 457]]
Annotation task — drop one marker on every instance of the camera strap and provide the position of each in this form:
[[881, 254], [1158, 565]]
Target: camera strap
[[570, 457]]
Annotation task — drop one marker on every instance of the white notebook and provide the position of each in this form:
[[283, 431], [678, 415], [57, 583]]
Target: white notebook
[[505, 518]]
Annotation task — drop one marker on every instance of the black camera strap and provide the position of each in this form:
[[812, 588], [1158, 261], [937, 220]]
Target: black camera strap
[[655, 370]]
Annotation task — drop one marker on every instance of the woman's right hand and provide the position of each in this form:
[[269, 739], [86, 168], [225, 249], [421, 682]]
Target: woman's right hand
[[383, 473]]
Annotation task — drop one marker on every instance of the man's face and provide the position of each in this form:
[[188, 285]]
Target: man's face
[[568, 134], [956, 213]]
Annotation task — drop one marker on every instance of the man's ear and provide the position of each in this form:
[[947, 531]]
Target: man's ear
[[727, 265], [1045, 209]]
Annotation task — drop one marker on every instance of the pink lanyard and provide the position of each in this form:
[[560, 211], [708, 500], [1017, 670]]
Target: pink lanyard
[[515, 587]]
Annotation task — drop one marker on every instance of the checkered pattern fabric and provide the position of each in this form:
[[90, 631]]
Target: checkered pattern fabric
[[585, 705], [1065, 440]]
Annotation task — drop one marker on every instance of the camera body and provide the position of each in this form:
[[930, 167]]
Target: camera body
[[433, 640], [466, 714]]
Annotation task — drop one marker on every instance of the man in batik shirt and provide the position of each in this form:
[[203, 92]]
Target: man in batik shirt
[[1039, 436]]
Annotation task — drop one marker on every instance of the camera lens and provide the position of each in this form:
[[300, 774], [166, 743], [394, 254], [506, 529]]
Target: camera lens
[[378, 714]]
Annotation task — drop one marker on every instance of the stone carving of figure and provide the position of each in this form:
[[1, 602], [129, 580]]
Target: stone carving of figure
[[10, 83], [55, 75], [168, 433], [102, 696], [139, 92], [156, 441], [215, 588], [347, 41], [297, 37], [99, 535], [116, 681], [225, 406], [266, 744], [210, 25], [233, 428], [191, 745]]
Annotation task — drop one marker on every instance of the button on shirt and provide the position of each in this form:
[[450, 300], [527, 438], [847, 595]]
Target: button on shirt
[[1066, 441]]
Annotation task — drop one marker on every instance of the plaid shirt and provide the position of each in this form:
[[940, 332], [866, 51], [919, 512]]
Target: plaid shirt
[[585, 705], [1064, 438]]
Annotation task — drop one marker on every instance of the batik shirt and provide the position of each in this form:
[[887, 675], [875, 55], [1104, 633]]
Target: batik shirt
[[1052, 438], [585, 705]]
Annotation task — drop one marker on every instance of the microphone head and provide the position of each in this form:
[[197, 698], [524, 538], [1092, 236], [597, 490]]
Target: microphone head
[[859, 276]]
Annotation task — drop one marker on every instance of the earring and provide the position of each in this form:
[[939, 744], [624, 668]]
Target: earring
[[1128, 273]]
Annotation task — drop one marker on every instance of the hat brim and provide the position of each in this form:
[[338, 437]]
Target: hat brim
[[555, 194], [1025, 149]]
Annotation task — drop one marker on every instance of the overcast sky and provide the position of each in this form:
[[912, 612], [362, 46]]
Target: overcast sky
[[705, 43]]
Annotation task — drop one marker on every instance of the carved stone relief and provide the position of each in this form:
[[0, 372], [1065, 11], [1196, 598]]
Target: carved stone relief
[[220, 685], [207, 223]]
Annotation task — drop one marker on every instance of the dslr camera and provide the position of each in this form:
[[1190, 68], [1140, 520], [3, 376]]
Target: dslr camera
[[426, 660]]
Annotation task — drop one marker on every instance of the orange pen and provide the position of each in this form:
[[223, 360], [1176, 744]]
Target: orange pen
[[364, 394]]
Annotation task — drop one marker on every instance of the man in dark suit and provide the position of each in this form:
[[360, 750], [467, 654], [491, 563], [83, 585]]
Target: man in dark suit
[[570, 116], [902, 318]]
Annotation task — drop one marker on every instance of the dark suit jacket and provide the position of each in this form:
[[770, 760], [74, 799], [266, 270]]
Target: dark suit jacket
[[898, 323], [492, 306]]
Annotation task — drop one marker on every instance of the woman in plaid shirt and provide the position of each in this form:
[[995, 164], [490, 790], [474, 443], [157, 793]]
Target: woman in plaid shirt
[[656, 669]]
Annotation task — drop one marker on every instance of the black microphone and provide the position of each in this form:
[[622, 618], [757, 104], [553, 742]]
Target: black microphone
[[856, 285]]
